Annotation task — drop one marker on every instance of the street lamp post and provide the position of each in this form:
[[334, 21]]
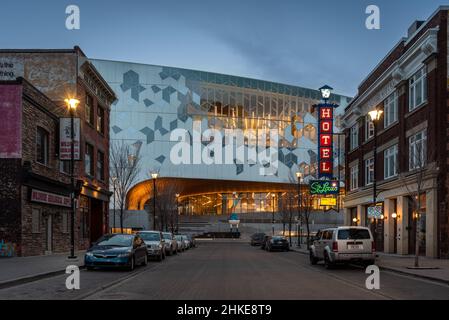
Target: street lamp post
[[177, 212], [272, 213], [114, 179], [375, 116], [154, 176], [298, 240], [71, 105]]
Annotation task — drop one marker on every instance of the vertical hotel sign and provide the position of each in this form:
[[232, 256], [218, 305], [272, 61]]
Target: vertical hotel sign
[[325, 141]]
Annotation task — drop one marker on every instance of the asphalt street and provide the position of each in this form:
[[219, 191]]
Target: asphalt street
[[231, 270]]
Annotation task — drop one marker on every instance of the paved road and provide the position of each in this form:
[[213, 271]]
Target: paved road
[[231, 270]]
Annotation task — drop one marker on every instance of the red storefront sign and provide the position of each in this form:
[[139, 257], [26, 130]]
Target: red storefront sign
[[50, 198]]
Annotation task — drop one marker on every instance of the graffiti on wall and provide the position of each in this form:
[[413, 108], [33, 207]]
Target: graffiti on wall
[[8, 249]]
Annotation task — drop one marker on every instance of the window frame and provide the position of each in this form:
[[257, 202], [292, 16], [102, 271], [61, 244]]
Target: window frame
[[354, 177], [419, 78], [354, 136], [87, 147], [423, 155], [100, 119], [369, 162], [46, 145], [100, 174], [90, 117], [388, 153], [392, 101], [369, 128]]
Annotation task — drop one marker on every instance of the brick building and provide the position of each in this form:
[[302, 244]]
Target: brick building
[[61, 74], [410, 86]]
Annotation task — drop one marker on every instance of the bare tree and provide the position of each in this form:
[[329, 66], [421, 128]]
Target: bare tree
[[124, 169]]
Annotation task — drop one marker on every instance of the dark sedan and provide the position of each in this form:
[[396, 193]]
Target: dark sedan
[[257, 239], [277, 243], [117, 250]]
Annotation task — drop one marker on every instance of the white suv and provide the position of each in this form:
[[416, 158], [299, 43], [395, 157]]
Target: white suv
[[343, 245]]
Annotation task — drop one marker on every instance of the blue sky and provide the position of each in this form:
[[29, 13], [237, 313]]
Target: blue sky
[[305, 43]]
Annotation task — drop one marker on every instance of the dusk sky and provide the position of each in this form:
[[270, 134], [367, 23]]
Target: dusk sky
[[304, 43]]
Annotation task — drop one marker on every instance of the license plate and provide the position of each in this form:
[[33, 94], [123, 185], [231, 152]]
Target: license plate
[[355, 246]]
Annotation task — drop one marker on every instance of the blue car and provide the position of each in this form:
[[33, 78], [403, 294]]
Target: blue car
[[117, 250]]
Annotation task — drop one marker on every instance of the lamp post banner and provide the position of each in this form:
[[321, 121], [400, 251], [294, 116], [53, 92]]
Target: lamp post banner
[[65, 139]]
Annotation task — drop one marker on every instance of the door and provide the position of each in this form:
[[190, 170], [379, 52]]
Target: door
[[49, 235], [96, 220]]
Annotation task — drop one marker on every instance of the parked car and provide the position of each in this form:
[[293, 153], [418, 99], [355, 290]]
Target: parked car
[[180, 243], [171, 245], [264, 242], [343, 245], [186, 242], [117, 250], [192, 241], [155, 244], [278, 243], [257, 239]]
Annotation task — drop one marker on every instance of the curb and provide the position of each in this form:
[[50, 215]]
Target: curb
[[414, 275], [32, 278]]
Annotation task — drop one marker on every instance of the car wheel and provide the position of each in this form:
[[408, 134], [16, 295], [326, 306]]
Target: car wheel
[[131, 266], [312, 258], [327, 262], [145, 260]]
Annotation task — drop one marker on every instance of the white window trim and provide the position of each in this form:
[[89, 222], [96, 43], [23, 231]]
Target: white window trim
[[354, 132], [369, 128], [411, 99], [354, 176], [423, 140], [367, 165], [391, 151], [391, 101]]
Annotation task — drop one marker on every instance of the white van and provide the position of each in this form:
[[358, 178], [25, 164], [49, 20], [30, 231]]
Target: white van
[[343, 245]]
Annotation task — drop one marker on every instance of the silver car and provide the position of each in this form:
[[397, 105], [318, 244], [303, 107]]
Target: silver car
[[171, 246], [181, 244], [155, 244], [343, 245], [186, 242]]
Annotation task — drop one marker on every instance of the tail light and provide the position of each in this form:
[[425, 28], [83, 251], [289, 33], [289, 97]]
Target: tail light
[[373, 246], [335, 246]]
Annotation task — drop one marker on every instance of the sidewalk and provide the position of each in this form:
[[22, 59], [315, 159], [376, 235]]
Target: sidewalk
[[432, 269], [24, 269]]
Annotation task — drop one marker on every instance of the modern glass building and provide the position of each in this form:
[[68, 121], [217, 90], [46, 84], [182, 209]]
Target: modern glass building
[[208, 136]]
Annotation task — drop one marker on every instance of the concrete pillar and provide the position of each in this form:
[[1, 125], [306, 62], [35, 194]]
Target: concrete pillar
[[402, 224], [388, 226], [360, 215], [431, 223], [348, 220]]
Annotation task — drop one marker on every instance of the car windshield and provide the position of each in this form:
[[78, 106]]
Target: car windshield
[[150, 236], [178, 237], [346, 234], [167, 236], [116, 240]]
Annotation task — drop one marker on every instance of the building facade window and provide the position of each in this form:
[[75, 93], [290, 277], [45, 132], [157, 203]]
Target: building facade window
[[390, 162], [64, 167], [100, 120], [391, 109], [418, 150], [369, 127], [100, 166], [89, 110], [42, 146], [418, 89], [354, 137], [369, 171], [35, 221], [354, 178], [89, 160]]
